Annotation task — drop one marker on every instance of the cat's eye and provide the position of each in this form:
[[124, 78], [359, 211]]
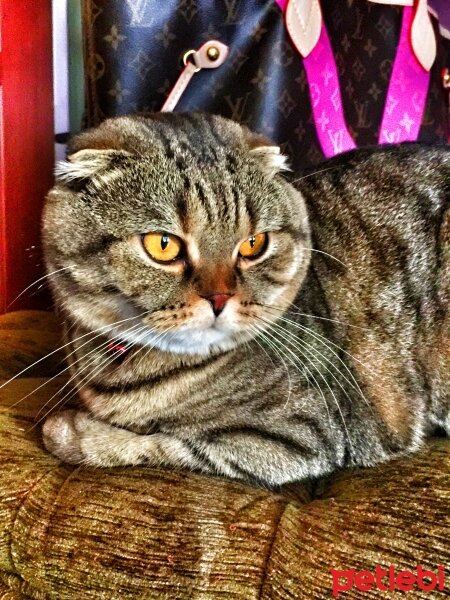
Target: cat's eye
[[162, 247], [254, 246]]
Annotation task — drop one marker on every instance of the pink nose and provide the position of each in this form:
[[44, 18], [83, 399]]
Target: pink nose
[[218, 301]]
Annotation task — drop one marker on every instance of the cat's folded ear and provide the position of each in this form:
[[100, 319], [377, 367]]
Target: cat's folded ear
[[81, 166], [93, 152], [271, 160]]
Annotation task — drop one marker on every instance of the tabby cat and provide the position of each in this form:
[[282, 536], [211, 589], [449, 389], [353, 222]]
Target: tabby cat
[[222, 319]]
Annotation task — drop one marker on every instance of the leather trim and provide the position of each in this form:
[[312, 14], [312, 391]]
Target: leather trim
[[423, 39], [304, 22]]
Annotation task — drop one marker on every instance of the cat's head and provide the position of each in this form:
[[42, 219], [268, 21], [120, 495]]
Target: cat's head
[[175, 231]]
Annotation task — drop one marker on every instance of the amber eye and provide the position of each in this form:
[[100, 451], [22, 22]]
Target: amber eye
[[162, 246], [253, 246]]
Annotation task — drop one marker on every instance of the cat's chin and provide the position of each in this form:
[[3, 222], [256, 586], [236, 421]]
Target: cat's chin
[[192, 341]]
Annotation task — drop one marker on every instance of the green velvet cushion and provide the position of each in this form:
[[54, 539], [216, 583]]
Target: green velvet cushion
[[77, 533]]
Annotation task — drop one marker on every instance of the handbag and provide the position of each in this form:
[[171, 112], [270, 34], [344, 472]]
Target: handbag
[[316, 78]]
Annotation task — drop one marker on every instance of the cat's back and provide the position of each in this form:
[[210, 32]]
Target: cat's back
[[388, 185], [380, 222], [383, 210]]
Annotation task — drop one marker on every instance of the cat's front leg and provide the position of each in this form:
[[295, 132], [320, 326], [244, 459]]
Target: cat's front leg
[[76, 437], [248, 454]]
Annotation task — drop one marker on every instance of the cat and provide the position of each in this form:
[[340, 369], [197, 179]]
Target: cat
[[223, 319]]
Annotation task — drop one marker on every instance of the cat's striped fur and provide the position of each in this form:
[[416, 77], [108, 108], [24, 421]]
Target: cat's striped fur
[[333, 348]]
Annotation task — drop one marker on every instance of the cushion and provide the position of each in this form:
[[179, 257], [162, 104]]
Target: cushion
[[79, 533]]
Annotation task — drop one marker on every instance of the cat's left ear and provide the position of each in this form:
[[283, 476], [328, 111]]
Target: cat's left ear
[[269, 155]]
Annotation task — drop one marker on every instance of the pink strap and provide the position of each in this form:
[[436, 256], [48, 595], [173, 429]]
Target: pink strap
[[325, 93], [326, 100], [407, 93]]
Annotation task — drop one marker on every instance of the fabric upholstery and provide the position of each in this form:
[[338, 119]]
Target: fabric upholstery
[[76, 533]]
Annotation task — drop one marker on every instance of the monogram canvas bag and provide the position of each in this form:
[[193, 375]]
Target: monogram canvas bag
[[318, 78]]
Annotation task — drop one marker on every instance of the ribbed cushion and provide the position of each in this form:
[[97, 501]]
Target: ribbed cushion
[[77, 533]]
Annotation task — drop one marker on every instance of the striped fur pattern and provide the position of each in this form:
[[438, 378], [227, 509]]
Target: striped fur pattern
[[333, 347]]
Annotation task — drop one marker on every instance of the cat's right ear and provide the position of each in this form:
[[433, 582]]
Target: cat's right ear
[[82, 166], [271, 159], [268, 154]]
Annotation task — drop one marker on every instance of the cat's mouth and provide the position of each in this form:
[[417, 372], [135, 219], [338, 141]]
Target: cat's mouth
[[200, 334]]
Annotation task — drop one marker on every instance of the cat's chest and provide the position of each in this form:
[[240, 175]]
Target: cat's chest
[[136, 389], [135, 393]]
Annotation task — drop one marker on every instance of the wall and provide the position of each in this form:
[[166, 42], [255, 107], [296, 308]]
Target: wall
[[68, 77]]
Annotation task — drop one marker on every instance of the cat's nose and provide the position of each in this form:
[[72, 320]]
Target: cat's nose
[[218, 302]]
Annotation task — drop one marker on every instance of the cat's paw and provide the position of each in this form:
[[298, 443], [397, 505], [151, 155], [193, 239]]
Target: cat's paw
[[76, 437], [63, 434]]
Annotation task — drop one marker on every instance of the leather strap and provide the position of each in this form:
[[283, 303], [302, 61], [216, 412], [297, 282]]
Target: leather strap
[[304, 21], [325, 93], [179, 87], [209, 56], [321, 72]]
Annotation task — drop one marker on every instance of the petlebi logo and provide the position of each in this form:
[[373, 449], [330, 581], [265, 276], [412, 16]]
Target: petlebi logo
[[388, 580]]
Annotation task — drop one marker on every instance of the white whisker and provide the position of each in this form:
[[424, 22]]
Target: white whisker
[[90, 375], [83, 368], [302, 314], [294, 363], [102, 328], [325, 342], [47, 381], [260, 332], [320, 374], [312, 174], [313, 351], [330, 255], [35, 282]]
